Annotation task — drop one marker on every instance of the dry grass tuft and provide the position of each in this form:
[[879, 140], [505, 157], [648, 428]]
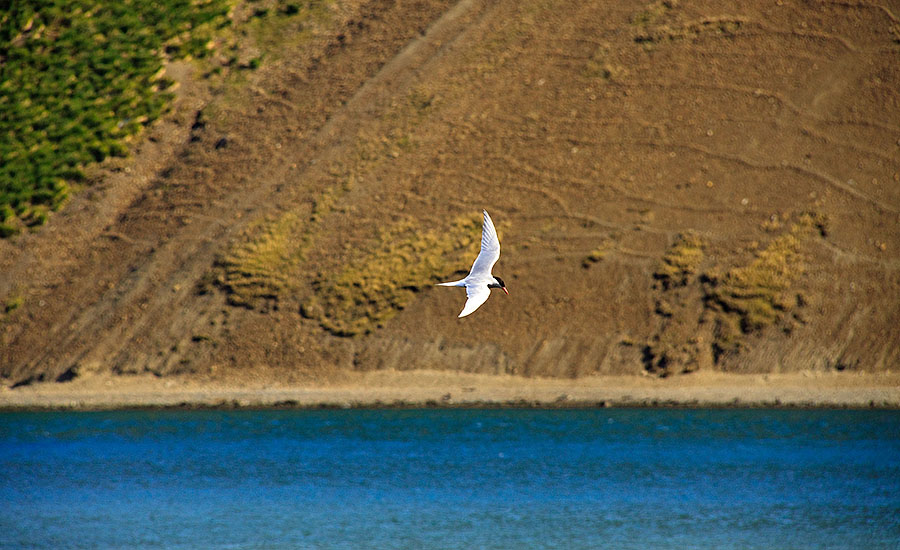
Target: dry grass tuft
[[262, 266], [681, 261], [383, 281], [738, 299], [752, 297]]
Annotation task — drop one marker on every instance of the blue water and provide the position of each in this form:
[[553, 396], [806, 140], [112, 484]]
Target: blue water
[[451, 479]]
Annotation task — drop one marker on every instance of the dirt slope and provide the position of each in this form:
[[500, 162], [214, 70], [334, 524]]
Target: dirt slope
[[677, 185]]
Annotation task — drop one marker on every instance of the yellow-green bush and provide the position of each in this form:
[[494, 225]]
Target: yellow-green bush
[[264, 264], [380, 283], [752, 297], [680, 261]]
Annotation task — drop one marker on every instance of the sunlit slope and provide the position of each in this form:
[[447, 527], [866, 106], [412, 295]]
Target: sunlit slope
[[677, 188]]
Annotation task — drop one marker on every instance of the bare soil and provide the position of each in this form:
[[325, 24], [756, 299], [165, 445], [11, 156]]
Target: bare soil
[[432, 389], [597, 134]]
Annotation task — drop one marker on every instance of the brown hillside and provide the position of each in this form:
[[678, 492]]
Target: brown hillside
[[677, 186]]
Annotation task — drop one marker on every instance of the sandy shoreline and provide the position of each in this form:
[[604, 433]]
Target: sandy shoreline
[[444, 389]]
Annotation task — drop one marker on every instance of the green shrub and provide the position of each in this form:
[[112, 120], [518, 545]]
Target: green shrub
[[80, 76]]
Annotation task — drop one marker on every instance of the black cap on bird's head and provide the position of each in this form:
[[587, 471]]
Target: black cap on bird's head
[[500, 285]]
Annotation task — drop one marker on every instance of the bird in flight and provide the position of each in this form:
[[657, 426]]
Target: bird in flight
[[479, 281]]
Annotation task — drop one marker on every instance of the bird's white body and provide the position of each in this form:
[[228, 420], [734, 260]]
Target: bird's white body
[[479, 281]]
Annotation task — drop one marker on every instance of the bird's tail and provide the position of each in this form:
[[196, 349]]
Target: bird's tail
[[461, 282]]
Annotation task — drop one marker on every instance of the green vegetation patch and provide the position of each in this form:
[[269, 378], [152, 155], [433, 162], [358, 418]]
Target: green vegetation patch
[[680, 261], [377, 285], [77, 79]]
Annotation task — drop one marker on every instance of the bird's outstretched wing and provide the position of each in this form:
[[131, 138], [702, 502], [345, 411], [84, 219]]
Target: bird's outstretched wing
[[490, 252], [477, 295]]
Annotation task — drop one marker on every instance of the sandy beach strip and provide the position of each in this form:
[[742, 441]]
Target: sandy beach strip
[[450, 389]]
